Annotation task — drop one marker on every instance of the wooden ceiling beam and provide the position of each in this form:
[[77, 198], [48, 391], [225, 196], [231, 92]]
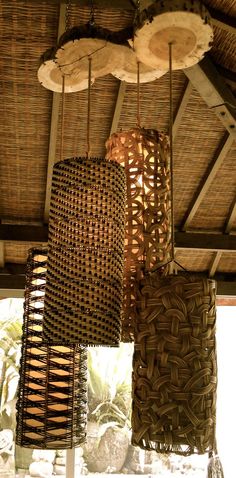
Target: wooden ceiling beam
[[215, 263], [215, 92], [118, 107], [12, 282], [183, 240], [207, 179], [54, 125], [182, 106], [231, 218]]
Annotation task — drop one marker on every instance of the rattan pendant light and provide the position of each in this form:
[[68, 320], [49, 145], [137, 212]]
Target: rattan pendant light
[[174, 363], [84, 289], [145, 155], [52, 397]]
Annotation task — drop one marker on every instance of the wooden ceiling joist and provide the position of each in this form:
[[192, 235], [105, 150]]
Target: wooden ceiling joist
[[215, 263], [183, 240], [182, 106], [207, 179], [12, 282], [215, 92], [118, 107]]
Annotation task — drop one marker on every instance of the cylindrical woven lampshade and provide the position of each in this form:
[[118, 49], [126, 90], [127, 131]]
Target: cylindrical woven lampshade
[[145, 156], [174, 365], [52, 397], [84, 288]]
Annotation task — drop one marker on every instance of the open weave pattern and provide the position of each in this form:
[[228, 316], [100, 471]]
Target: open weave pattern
[[52, 397], [84, 289], [174, 365], [145, 156]]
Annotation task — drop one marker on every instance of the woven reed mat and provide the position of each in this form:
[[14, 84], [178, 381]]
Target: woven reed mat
[[174, 365], [84, 289], [52, 396], [145, 156]]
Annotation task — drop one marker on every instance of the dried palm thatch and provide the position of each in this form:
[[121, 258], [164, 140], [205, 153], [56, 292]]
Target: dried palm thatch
[[174, 365], [84, 289], [145, 156], [52, 400]]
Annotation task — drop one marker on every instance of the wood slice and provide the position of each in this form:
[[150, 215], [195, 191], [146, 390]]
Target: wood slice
[[128, 71], [183, 23], [50, 76], [72, 57]]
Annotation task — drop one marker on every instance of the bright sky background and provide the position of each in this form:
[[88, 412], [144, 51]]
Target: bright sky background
[[226, 396]]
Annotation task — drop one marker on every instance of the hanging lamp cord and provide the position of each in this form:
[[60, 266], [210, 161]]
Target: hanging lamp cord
[[138, 94], [62, 117], [171, 155], [89, 105]]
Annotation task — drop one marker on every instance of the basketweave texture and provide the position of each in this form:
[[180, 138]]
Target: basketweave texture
[[145, 156], [174, 365], [52, 397], [84, 287]]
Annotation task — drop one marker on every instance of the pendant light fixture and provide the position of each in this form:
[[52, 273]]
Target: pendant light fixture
[[145, 155], [84, 288], [52, 396], [174, 363]]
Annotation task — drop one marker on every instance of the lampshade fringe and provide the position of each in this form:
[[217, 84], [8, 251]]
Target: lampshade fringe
[[215, 468]]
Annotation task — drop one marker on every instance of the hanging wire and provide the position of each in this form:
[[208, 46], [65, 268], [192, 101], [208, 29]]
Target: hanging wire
[[62, 117], [171, 154], [89, 105], [138, 94]]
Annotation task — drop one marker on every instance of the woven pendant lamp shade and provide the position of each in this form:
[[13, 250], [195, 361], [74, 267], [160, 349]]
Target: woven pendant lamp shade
[[52, 398], [145, 156], [174, 365], [84, 289]]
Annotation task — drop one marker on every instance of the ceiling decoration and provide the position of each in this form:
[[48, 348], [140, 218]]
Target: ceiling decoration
[[183, 23]]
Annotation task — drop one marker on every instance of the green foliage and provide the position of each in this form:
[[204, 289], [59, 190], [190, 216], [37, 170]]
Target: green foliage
[[10, 351], [110, 384]]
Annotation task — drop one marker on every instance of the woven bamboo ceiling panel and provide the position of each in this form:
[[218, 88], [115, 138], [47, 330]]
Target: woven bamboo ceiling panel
[[204, 107]]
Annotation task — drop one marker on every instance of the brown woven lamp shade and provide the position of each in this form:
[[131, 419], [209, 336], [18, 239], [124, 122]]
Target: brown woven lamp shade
[[174, 365], [52, 397], [84, 289], [145, 155]]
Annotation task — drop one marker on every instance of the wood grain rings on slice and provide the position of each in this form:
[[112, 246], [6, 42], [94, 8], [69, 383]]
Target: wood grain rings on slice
[[184, 24], [72, 57], [128, 70], [50, 76]]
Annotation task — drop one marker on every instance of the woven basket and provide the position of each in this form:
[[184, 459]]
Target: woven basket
[[52, 397], [174, 365], [84, 289], [145, 156]]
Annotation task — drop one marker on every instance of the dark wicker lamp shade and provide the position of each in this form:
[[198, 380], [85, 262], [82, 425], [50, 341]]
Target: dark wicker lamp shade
[[145, 156], [52, 397], [174, 365], [84, 288]]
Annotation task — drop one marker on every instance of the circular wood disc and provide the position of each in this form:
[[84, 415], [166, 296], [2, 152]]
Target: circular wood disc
[[72, 57], [183, 23], [128, 71], [50, 76]]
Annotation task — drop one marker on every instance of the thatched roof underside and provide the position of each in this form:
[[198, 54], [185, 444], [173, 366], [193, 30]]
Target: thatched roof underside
[[204, 143]]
